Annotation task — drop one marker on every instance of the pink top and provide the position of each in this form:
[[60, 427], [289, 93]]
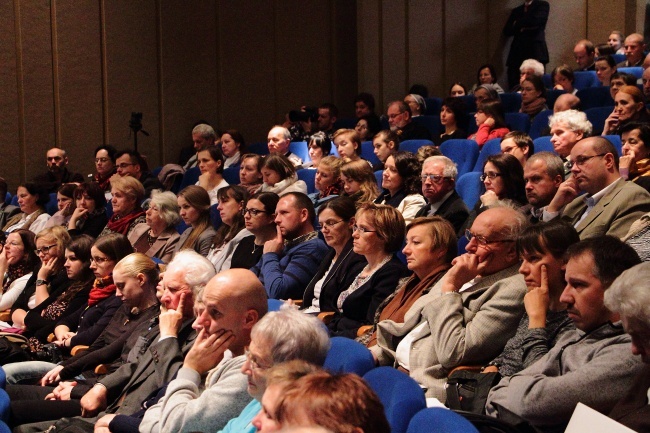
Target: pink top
[[484, 134]]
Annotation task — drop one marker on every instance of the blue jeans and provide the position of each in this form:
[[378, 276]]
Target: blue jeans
[[26, 371]]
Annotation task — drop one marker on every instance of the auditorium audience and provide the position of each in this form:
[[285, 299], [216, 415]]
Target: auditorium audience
[[618, 80], [364, 104], [567, 128], [584, 53], [327, 181], [232, 202], [104, 166], [278, 142], [605, 68], [158, 237], [629, 106], [518, 144], [563, 79], [131, 163], [57, 171], [65, 204], [194, 209], [319, 147], [232, 147], [203, 135], [543, 175], [279, 176], [484, 92], [533, 96], [452, 113], [634, 51], [250, 174], [348, 144], [259, 220], [359, 181], [634, 165], [17, 262], [490, 119], [486, 74], [400, 120], [89, 216], [416, 103], [367, 127], [401, 184], [615, 40], [210, 162], [31, 200], [385, 143], [127, 194], [457, 89]]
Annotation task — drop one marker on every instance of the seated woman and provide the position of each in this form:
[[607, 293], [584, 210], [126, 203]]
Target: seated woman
[[367, 126], [259, 220], [457, 89], [232, 147], [135, 277], [359, 181], [378, 233], [83, 325], [503, 179], [279, 176], [484, 92], [563, 79], [31, 199], [518, 144], [17, 262], [431, 246], [486, 74], [541, 248], [65, 204], [89, 216], [605, 68], [341, 265], [629, 106], [402, 185], [533, 96], [250, 172], [490, 119], [615, 40], [127, 194], [211, 166], [328, 181], [158, 237], [104, 167], [319, 147], [634, 165], [385, 143], [416, 103], [194, 209], [232, 201], [452, 111], [348, 144]]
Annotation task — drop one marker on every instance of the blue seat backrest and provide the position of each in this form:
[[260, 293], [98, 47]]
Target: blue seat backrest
[[618, 58], [469, 187], [190, 177], [511, 102], [433, 106], [368, 152], [552, 95], [259, 148], [345, 123], [444, 420], [518, 122], [491, 147], [308, 176], [548, 80], [543, 144], [300, 148], [597, 117], [616, 141], [414, 145], [231, 174], [463, 152], [275, 304], [379, 175], [215, 217], [636, 71], [432, 123], [595, 97], [52, 206], [584, 79], [348, 356], [539, 124], [470, 103]]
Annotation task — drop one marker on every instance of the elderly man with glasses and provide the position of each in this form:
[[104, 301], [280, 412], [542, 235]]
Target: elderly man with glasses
[[610, 204], [438, 182]]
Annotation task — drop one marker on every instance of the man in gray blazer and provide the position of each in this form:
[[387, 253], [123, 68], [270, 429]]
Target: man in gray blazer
[[469, 315], [610, 205]]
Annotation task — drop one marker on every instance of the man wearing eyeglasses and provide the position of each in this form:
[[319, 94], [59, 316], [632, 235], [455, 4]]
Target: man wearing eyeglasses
[[131, 163], [57, 171], [438, 182], [610, 204], [469, 315]]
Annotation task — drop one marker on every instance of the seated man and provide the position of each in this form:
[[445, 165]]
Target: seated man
[[291, 259], [280, 337], [131, 163], [439, 175], [57, 171], [469, 315], [611, 204], [629, 296], [156, 358], [591, 364], [401, 122], [202, 136], [543, 174], [585, 53], [279, 139], [634, 51], [327, 115]]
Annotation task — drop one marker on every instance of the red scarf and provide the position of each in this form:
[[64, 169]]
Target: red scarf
[[102, 289], [121, 225], [104, 184]]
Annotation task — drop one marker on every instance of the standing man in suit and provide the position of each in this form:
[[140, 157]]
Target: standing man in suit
[[527, 24], [438, 182], [610, 205]]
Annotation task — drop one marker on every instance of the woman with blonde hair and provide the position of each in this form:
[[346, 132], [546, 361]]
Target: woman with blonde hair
[[348, 144], [194, 204], [127, 194], [328, 180], [359, 181]]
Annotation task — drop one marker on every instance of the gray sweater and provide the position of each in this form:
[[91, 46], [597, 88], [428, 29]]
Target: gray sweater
[[596, 369], [187, 408]]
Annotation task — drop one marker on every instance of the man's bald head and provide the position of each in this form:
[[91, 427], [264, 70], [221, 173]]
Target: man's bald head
[[565, 102]]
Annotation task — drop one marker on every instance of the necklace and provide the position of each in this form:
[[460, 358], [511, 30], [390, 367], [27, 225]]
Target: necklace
[[150, 238], [255, 246], [360, 281]]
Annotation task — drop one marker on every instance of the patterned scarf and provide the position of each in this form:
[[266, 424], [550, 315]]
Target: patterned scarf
[[121, 225], [13, 273], [102, 289], [105, 183]]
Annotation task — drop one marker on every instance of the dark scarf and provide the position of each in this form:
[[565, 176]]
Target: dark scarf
[[13, 273], [333, 189], [102, 289], [121, 225], [104, 184]]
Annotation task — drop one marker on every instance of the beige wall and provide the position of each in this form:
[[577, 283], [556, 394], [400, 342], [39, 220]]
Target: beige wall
[[73, 71], [439, 42]]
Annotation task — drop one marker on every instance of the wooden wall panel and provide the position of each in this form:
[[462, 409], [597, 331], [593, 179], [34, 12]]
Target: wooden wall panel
[[10, 105], [131, 70], [37, 80], [343, 51], [370, 48], [425, 43], [395, 50], [78, 69]]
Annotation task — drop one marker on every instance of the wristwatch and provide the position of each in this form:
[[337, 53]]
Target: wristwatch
[[40, 282]]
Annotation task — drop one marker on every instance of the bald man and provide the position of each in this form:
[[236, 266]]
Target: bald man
[[57, 171], [634, 48], [232, 303]]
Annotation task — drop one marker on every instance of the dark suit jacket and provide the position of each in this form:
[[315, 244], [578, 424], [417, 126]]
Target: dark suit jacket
[[453, 210], [340, 277], [528, 31], [6, 212], [360, 306], [613, 214], [413, 131]]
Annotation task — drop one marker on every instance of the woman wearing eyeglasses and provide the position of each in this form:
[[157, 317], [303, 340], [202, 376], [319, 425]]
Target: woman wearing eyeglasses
[[503, 179], [378, 232], [104, 166], [17, 262], [159, 236], [259, 220], [127, 194], [341, 264], [232, 201]]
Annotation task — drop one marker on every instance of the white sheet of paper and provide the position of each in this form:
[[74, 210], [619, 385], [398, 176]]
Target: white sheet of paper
[[587, 420]]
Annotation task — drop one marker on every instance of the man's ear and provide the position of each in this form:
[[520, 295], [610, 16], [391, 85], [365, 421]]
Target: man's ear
[[304, 215], [251, 317]]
